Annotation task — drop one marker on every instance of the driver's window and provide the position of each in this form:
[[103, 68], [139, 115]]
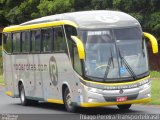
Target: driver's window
[[76, 61], [73, 52]]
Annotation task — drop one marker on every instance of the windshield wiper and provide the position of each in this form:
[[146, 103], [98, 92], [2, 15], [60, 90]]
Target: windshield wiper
[[130, 70], [108, 66]]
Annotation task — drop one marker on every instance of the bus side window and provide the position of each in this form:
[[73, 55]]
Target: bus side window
[[16, 42], [59, 40], [47, 42], [36, 40], [26, 41], [7, 42]]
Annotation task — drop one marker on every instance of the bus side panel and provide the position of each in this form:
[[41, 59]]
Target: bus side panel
[[49, 90], [8, 74], [25, 70], [36, 77], [60, 72]]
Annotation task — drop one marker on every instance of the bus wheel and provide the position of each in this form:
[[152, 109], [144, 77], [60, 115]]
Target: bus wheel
[[124, 107], [24, 100], [67, 101]]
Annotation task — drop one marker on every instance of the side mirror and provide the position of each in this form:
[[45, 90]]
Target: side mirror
[[153, 41], [80, 47]]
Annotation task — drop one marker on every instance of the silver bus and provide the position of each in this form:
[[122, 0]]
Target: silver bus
[[86, 59]]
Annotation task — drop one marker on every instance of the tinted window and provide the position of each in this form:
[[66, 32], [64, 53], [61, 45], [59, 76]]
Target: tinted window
[[16, 42], [26, 41], [47, 38], [77, 63], [59, 41], [7, 42], [128, 34], [36, 40]]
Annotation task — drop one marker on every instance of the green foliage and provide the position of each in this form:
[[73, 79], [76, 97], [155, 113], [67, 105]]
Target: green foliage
[[154, 22], [155, 74], [1, 61], [18, 11], [54, 6], [1, 80]]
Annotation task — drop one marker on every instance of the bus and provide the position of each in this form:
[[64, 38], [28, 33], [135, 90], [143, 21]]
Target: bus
[[79, 59]]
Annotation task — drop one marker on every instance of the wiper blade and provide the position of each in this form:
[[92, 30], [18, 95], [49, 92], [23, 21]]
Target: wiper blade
[[108, 66], [112, 57], [130, 70], [107, 69]]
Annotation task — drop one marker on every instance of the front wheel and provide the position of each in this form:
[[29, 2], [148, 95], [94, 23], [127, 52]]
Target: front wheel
[[124, 107], [68, 102]]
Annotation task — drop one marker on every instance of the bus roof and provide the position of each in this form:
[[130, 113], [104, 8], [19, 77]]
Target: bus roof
[[91, 19], [83, 19]]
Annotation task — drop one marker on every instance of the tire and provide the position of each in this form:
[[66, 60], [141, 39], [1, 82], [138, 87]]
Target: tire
[[24, 100], [67, 101], [124, 107]]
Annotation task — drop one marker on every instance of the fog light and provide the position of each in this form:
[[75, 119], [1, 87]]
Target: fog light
[[149, 95], [91, 100], [146, 86]]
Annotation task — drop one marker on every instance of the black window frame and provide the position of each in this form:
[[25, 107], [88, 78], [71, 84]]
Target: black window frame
[[4, 42], [29, 42], [62, 28], [16, 52], [31, 47], [52, 40]]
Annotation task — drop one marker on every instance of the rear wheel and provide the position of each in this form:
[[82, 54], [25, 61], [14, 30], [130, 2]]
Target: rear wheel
[[68, 102], [22, 96], [24, 100], [124, 107]]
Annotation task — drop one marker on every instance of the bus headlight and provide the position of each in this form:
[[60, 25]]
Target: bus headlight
[[146, 86], [94, 90]]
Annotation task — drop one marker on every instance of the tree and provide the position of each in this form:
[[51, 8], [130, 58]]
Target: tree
[[16, 12]]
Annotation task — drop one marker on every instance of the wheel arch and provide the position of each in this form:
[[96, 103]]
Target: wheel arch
[[20, 82], [64, 86]]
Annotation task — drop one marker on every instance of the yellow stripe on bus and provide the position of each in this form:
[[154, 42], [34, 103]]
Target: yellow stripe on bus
[[55, 101], [98, 104], [38, 25], [9, 93]]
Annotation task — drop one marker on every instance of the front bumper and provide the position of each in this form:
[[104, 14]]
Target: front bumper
[[94, 97], [98, 104]]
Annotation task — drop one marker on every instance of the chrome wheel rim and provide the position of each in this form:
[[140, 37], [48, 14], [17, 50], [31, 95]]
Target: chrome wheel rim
[[22, 96]]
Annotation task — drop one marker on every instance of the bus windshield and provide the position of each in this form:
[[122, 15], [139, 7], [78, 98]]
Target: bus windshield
[[113, 54]]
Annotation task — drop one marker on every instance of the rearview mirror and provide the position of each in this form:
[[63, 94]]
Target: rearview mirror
[[80, 47], [153, 41]]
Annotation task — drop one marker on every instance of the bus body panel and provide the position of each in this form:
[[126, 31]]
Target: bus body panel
[[37, 73]]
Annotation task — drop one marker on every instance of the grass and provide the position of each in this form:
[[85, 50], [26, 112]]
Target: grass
[[1, 79], [155, 92], [155, 74]]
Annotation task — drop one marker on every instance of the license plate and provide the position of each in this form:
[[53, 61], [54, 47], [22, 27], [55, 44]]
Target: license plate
[[121, 99]]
